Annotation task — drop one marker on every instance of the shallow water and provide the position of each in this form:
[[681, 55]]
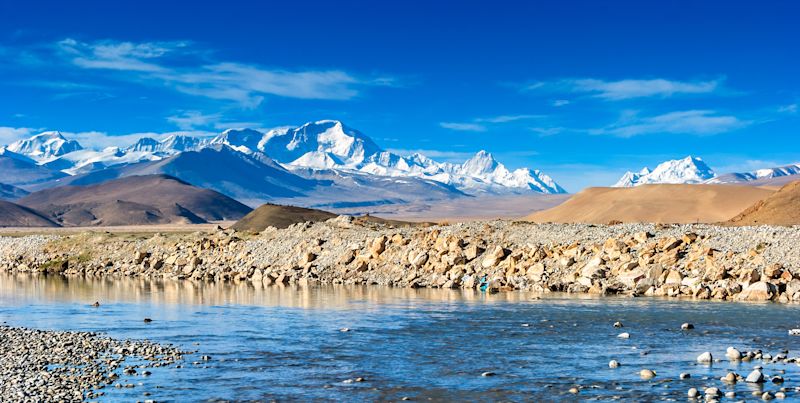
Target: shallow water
[[285, 343]]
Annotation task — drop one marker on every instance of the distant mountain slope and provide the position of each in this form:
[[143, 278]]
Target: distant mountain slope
[[134, 200], [241, 176], [14, 215], [781, 208], [272, 215], [9, 192], [663, 203], [20, 171], [687, 170], [766, 176]]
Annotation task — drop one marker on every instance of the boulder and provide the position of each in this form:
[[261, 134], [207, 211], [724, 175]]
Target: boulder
[[760, 291]]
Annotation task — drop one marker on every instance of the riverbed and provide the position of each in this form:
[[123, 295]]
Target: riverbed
[[366, 343]]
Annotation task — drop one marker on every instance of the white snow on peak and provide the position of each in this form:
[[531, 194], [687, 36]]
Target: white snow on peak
[[319, 145], [44, 146], [686, 170], [765, 173]]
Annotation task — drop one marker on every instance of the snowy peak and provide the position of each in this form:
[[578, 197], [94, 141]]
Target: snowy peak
[[481, 163], [44, 146], [331, 137], [686, 170], [172, 144], [245, 140]]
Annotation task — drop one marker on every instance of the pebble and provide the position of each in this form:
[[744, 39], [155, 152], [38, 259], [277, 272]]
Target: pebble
[[618, 324], [147, 320], [712, 392], [488, 373], [733, 354], [687, 326], [705, 358], [692, 393], [344, 329], [729, 378], [624, 336], [72, 363], [613, 364], [767, 396], [780, 395], [730, 394], [647, 374], [574, 391], [755, 377], [684, 375]]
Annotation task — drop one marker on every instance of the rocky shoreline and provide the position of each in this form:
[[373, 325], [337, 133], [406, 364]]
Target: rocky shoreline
[[697, 261], [52, 366]]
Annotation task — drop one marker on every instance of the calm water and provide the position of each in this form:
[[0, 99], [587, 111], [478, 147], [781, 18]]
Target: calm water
[[285, 343]]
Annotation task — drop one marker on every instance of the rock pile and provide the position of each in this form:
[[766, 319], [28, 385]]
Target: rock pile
[[699, 261]]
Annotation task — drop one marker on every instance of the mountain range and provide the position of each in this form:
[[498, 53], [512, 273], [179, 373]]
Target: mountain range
[[693, 170], [323, 163]]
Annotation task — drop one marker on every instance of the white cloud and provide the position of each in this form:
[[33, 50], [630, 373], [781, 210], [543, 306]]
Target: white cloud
[[697, 122], [9, 135], [507, 118], [246, 84], [189, 120], [560, 102], [112, 55], [791, 108], [628, 89], [464, 127]]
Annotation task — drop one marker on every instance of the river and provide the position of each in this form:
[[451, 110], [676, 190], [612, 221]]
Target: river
[[287, 343]]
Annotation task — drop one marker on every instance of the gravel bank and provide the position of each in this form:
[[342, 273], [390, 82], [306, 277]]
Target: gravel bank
[[699, 261], [49, 366]]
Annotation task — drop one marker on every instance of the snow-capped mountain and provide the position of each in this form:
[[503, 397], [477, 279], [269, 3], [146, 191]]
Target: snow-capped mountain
[[760, 174], [44, 146], [329, 144], [687, 170], [170, 145], [327, 150]]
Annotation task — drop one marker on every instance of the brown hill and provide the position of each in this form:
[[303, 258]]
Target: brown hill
[[781, 208], [14, 215], [134, 200], [654, 203], [273, 215]]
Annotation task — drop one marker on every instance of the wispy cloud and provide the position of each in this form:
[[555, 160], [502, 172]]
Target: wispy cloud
[[482, 124], [463, 127], [246, 84], [507, 118], [188, 120], [697, 122], [560, 102], [791, 108], [627, 89]]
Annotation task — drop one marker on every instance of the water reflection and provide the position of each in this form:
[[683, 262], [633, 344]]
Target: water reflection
[[133, 290]]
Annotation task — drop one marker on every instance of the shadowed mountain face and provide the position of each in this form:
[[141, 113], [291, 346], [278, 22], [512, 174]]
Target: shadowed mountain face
[[18, 171], [244, 177], [781, 208], [14, 215], [9, 192], [135, 200]]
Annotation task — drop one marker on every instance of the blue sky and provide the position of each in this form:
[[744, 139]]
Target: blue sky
[[581, 90]]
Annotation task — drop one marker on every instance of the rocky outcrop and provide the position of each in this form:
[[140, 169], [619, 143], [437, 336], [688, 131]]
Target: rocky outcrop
[[704, 262]]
